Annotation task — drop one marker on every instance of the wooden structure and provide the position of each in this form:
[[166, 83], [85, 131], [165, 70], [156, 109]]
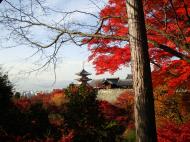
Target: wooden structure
[[83, 77], [113, 83]]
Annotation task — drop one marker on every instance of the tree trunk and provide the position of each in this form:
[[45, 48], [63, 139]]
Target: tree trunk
[[144, 100]]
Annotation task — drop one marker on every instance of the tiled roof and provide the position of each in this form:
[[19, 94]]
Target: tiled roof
[[83, 72], [114, 81], [125, 82]]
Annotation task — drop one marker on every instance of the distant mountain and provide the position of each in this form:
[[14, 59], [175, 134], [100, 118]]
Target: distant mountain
[[42, 85]]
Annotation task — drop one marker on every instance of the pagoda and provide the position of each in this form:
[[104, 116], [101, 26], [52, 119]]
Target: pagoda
[[83, 77]]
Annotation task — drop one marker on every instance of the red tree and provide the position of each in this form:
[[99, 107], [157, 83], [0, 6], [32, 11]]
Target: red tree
[[168, 31], [171, 132], [167, 23]]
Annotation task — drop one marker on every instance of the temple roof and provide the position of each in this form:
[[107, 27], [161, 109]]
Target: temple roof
[[83, 72], [120, 83], [113, 81], [129, 76]]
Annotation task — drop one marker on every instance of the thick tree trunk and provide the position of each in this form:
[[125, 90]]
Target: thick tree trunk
[[144, 101]]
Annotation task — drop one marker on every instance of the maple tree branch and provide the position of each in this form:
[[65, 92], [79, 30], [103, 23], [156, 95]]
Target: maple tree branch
[[174, 52], [62, 31], [71, 35], [96, 35], [186, 10], [161, 46], [74, 11], [154, 63], [165, 19], [177, 20], [171, 51]]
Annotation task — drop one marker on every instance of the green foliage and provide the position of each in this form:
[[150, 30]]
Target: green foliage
[[84, 117], [32, 124], [39, 120], [5, 90], [131, 136]]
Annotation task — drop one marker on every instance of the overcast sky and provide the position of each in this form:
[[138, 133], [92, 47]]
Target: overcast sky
[[16, 62]]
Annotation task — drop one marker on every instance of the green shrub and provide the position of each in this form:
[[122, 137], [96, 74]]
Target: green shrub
[[84, 117], [131, 136]]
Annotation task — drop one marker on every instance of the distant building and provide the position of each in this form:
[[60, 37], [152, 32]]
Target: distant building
[[83, 77], [112, 83]]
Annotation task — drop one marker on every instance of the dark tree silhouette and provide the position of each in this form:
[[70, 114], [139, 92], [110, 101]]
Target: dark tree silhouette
[[83, 116], [6, 88]]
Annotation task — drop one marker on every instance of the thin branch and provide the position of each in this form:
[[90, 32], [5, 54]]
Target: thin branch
[[177, 20]]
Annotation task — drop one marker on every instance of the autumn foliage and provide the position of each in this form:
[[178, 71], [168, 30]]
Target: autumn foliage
[[172, 132], [168, 32], [81, 116], [74, 114]]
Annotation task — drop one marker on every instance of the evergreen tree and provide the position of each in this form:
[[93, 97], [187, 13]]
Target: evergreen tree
[[83, 116], [6, 88]]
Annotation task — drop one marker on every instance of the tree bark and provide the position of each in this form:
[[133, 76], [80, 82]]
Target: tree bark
[[142, 82]]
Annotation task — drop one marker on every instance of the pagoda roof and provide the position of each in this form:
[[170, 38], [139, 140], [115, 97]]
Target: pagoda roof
[[83, 79], [80, 80], [83, 72]]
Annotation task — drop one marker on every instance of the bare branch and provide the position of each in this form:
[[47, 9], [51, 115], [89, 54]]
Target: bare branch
[[21, 22]]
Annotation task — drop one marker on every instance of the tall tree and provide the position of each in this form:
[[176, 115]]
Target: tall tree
[[167, 27], [6, 88], [167, 24], [168, 32], [142, 82]]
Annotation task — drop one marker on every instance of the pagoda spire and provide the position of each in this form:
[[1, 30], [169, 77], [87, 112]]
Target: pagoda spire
[[83, 65], [83, 76]]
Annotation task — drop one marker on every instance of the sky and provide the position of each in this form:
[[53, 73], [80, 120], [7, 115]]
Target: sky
[[18, 63]]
